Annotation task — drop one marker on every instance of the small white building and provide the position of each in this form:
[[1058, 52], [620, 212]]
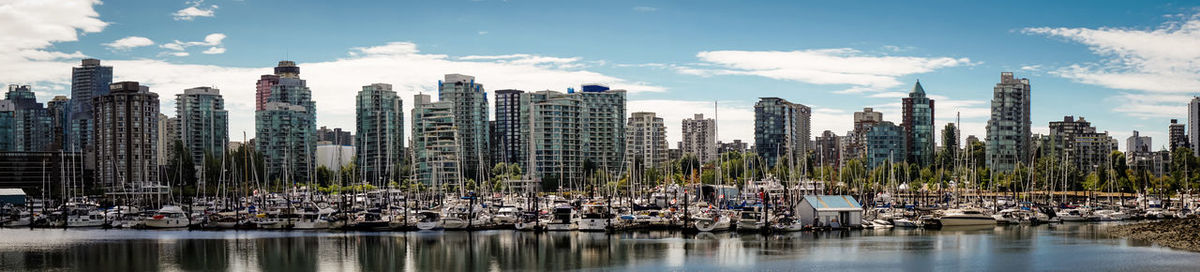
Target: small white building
[[824, 210]]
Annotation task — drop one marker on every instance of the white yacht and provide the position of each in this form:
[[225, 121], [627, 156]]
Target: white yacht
[[595, 217], [712, 221], [169, 217], [965, 217], [563, 218], [1076, 215], [506, 215], [313, 219], [429, 220]]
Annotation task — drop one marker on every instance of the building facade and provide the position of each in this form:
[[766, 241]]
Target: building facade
[[781, 129], [203, 123], [603, 126], [918, 126], [1008, 129], [553, 123], [885, 144], [1193, 124], [509, 144], [126, 134], [167, 136], [734, 146], [470, 105], [828, 149], [645, 141], [59, 109], [335, 136], [1078, 142], [88, 81], [700, 138], [33, 124], [1177, 134], [285, 128], [435, 145], [380, 138]]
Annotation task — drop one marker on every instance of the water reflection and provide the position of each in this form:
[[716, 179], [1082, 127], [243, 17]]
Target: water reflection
[[1068, 246]]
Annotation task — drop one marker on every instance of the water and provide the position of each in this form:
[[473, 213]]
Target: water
[[1074, 247]]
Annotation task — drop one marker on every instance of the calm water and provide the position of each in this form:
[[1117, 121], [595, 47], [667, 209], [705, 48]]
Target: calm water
[[1073, 247]]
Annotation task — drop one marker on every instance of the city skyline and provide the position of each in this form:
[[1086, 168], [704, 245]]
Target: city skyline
[[1118, 66]]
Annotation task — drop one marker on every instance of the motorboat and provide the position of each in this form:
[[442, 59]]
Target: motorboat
[[1076, 215], [964, 217], [527, 221], [563, 218], [314, 219], [506, 215], [429, 220], [750, 220], [712, 221], [906, 223], [1111, 215], [595, 217], [168, 217]]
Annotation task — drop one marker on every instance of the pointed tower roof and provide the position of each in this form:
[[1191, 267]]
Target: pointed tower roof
[[917, 88]]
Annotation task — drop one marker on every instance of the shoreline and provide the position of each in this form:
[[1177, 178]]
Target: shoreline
[[1179, 234]]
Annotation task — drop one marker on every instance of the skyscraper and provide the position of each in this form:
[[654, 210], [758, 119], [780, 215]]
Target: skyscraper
[[126, 134], [863, 121], [603, 126], [885, 144], [167, 135], [203, 123], [59, 108], [1008, 130], [1178, 135], [700, 137], [645, 141], [285, 126], [8, 126], [435, 145], [918, 126], [510, 146], [87, 81], [552, 121], [781, 128], [828, 149], [380, 126], [33, 124], [262, 88], [469, 103], [1193, 126]]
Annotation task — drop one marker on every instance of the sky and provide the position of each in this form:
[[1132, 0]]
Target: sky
[[1122, 65]]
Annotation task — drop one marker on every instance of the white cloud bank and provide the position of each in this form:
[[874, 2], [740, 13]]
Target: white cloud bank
[[837, 66], [194, 10], [179, 49], [1159, 62]]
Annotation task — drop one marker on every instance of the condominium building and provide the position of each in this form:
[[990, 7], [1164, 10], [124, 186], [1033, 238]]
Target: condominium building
[[885, 144], [734, 146], [380, 138], [918, 126], [88, 81], [435, 144], [1177, 134], [1008, 130], [700, 138], [8, 126], [167, 136], [645, 141], [33, 124], [470, 105], [126, 134], [335, 136], [863, 121], [552, 121], [59, 109], [509, 144], [203, 123], [781, 129], [603, 126], [827, 149], [285, 128], [1077, 141]]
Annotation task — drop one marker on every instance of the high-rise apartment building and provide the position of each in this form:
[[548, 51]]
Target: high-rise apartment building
[[863, 121], [509, 144], [167, 136], [918, 126], [33, 124], [126, 134], [603, 126], [335, 136], [828, 149], [781, 129], [59, 109], [88, 81], [285, 128], [1008, 130], [645, 141], [435, 147], [1077, 141], [1177, 134], [203, 123], [380, 138], [552, 121], [470, 104], [885, 144], [700, 138]]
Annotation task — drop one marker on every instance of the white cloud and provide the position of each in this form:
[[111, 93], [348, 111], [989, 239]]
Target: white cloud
[[1157, 64], [838, 66], [644, 9], [29, 27], [194, 10], [213, 41], [130, 42], [214, 50]]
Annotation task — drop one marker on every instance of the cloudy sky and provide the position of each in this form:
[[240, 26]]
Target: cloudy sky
[[1124, 65]]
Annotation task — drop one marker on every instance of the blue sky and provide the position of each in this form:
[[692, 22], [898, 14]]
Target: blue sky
[[1124, 65]]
